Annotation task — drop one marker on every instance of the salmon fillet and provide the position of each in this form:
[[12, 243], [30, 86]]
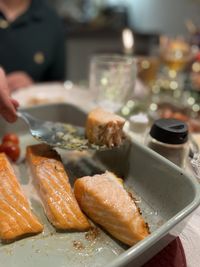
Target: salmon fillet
[[104, 199], [16, 218], [104, 128], [55, 191]]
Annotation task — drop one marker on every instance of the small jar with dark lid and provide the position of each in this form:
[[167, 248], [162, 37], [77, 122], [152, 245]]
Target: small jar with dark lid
[[169, 137]]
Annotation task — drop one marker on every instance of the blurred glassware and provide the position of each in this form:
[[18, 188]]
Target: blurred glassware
[[175, 53], [194, 73], [148, 67], [111, 80]]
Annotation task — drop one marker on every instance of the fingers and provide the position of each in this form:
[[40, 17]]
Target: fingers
[[7, 109], [17, 80], [2, 73], [7, 106], [15, 103]]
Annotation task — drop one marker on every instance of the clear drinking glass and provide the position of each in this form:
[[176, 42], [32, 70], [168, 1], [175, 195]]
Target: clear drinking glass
[[112, 79]]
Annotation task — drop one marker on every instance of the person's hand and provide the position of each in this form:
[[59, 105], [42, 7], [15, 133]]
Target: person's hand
[[8, 106], [18, 79]]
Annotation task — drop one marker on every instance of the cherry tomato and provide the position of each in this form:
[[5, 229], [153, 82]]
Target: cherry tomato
[[11, 137], [11, 150]]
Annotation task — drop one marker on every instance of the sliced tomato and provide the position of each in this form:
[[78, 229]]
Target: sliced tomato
[[11, 137], [11, 150]]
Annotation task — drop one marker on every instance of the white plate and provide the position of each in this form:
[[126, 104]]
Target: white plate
[[47, 93]]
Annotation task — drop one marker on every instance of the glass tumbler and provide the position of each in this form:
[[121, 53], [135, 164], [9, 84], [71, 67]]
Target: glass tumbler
[[111, 79]]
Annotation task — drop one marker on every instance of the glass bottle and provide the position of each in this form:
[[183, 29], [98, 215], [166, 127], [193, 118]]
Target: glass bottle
[[169, 138]]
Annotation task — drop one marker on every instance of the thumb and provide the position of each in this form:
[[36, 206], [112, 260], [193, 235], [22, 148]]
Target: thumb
[[15, 103]]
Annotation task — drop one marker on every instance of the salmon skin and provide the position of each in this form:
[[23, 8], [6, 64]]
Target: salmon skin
[[104, 199], [16, 218], [54, 188], [104, 128]]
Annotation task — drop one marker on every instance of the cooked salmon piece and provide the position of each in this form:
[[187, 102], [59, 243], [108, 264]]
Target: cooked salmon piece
[[54, 188], [104, 199], [104, 128], [16, 218]]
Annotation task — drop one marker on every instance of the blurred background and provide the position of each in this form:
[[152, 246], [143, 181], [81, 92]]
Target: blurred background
[[157, 68], [142, 15], [163, 36], [95, 26]]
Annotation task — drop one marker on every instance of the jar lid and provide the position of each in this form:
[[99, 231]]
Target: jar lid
[[169, 131]]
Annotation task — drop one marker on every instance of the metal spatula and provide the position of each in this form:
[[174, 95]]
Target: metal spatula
[[58, 134]]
